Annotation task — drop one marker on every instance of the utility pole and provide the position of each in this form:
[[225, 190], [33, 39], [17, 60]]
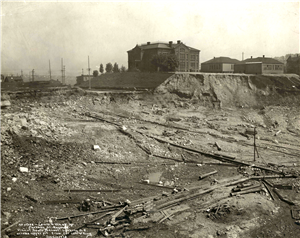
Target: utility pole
[[50, 69], [242, 55], [64, 81], [32, 75], [254, 144], [21, 73], [89, 69], [62, 70]]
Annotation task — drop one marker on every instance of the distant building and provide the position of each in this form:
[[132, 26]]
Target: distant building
[[82, 78], [293, 65], [140, 56], [259, 65], [10, 79], [219, 65]]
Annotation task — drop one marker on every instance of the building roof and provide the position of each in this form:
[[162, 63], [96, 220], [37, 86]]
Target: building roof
[[155, 46], [224, 60], [264, 60], [161, 45]]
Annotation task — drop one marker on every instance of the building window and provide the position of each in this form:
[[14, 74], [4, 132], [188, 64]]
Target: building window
[[193, 57], [193, 65], [182, 65], [182, 50], [182, 56]]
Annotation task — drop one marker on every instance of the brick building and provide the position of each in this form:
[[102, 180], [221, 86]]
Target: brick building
[[259, 65], [293, 65], [140, 56], [219, 65]]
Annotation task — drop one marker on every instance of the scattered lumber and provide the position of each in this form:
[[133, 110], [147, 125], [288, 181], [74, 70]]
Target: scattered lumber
[[75, 229], [218, 146], [169, 213], [110, 162], [268, 189], [295, 214], [114, 216], [12, 225], [283, 198], [253, 189], [156, 185], [282, 186], [207, 174], [215, 156], [31, 198], [92, 190], [190, 196], [216, 163]]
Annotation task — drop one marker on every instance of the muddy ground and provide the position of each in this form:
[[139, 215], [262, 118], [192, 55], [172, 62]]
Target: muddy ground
[[48, 150]]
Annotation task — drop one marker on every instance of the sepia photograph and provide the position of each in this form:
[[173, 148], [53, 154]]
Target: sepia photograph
[[150, 119]]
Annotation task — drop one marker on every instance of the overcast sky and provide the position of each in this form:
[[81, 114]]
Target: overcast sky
[[35, 32]]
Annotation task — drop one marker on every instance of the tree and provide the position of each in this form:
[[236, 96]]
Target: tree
[[165, 62], [101, 70], [116, 68], [95, 73], [123, 69], [108, 68]]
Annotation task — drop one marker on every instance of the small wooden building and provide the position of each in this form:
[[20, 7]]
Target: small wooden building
[[13, 79], [259, 65]]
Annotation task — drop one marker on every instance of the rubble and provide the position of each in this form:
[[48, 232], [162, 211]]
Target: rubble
[[52, 165]]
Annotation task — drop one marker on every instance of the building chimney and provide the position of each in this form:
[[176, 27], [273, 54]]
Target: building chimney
[[148, 43], [170, 43], [263, 56], [178, 42]]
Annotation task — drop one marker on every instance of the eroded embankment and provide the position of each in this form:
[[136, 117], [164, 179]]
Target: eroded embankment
[[233, 89]]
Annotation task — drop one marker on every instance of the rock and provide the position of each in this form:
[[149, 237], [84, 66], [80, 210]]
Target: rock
[[23, 169], [23, 122], [5, 104], [96, 147], [4, 97], [14, 180], [8, 189]]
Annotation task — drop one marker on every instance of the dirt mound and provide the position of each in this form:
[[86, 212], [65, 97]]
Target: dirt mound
[[233, 89]]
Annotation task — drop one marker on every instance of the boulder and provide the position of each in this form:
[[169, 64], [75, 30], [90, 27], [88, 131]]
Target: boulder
[[5, 104]]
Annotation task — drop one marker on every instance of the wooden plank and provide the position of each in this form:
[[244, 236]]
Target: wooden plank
[[208, 174]]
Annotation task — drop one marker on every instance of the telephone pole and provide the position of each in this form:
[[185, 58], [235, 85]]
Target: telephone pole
[[89, 69], [32, 75], [62, 70], [242, 55], [21, 73], [64, 81], [50, 69]]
